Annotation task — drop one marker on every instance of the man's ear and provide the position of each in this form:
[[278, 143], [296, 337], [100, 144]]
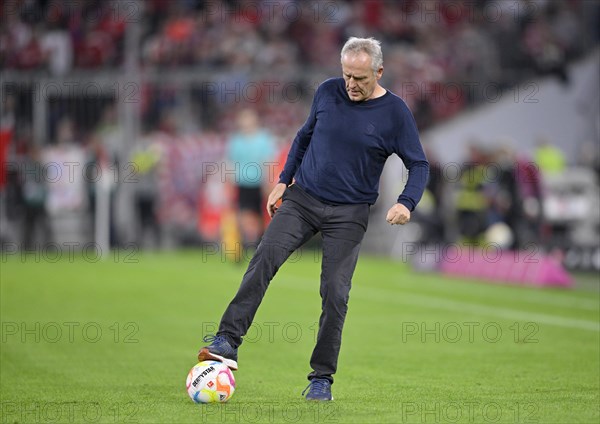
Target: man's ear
[[379, 73]]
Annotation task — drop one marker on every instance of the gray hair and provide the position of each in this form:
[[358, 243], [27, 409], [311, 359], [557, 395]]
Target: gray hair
[[370, 46]]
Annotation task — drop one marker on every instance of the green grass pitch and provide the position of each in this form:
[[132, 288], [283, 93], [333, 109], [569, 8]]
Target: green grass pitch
[[112, 341]]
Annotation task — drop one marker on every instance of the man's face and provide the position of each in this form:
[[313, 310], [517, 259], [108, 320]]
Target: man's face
[[360, 79]]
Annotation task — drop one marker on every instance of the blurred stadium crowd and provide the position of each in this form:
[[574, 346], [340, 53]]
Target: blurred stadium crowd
[[197, 64], [432, 47]]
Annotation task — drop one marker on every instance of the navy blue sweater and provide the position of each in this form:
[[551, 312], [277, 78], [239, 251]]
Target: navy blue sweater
[[339, 153]]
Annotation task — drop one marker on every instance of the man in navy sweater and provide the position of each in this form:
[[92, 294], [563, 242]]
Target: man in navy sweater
[[336, 161]]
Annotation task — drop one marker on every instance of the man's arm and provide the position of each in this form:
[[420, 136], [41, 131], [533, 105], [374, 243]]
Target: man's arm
[[407, 201], [292, 162], [409, 149], [398, 214], [276, 194], [294, 158], [418, 172], [300, 144]]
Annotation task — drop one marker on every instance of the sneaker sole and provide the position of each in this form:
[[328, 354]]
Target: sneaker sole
[[206, 355]]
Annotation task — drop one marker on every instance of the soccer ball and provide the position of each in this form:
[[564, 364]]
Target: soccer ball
[[210, 381]]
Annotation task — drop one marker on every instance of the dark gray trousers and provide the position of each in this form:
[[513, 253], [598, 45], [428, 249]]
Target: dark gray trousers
[[300, 217]]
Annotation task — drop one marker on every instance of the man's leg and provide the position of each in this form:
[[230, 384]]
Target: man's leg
[[290, 228], [342, 236]]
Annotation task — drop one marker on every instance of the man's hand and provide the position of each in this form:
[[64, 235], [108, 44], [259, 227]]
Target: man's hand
[[398, 214], [274, 197]]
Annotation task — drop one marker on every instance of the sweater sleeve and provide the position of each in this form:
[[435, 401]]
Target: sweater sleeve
[[300, 143], [412, 155]]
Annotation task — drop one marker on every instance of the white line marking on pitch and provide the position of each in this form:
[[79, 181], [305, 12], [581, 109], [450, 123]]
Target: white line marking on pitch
[[434, 302], [538, 298]]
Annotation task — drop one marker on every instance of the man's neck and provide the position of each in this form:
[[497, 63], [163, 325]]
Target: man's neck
[[378, 92]]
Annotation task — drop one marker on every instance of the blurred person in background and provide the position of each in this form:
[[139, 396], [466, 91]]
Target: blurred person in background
[[146, 158], [7, 124], [57, 49], [330, 180], [36, 225], [107, 142], [471, 202], [517, 202], [434, 204], [549, 158], [543, 45], [249, 151], [66, 185]]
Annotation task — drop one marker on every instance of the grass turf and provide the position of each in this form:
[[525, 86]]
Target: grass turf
[[112, 341]]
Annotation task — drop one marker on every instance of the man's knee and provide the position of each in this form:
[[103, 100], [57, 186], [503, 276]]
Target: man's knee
[[337, 295], [271, 251]]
